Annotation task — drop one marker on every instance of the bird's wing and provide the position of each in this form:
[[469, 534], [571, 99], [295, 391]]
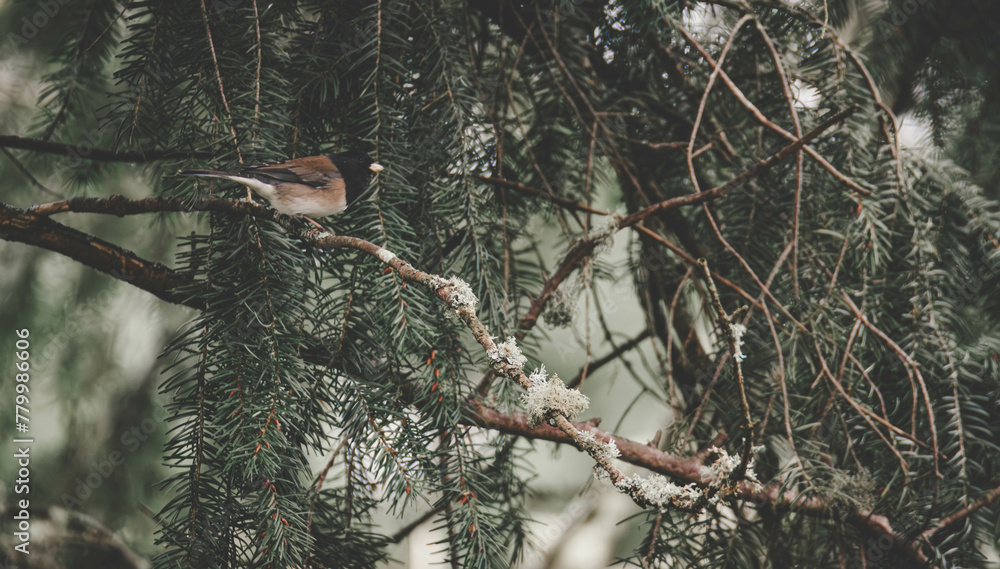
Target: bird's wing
[[315, 171]]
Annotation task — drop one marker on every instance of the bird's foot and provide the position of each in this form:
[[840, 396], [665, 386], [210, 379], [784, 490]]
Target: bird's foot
[[318, 226]]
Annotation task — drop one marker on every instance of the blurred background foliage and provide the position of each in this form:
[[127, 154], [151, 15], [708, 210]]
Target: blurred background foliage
[[593, 101]]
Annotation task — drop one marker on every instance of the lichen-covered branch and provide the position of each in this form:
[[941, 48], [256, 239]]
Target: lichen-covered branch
[[32, 226], [734, 331]]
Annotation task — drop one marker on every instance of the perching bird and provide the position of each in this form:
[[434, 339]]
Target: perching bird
[[313, 186]]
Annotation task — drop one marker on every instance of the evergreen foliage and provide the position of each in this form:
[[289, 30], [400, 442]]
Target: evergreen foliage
[[870, 268]]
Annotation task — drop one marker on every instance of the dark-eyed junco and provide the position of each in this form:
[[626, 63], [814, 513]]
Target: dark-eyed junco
[[313, 186]]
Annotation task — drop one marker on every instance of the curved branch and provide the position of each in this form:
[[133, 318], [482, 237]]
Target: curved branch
[[584, 247], [118, 205], [449, 291], [32, 229], [961, 514], [687, 469]]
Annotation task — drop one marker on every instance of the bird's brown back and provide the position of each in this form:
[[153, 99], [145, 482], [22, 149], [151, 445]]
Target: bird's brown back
[[316, 171]]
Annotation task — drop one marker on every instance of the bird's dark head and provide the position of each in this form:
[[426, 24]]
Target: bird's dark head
[[357, 161], [357, 168]]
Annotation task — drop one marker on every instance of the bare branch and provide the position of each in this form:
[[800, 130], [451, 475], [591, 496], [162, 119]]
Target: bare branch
[[25, 227]]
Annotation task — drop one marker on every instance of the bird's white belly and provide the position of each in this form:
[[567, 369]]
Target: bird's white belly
[[308, 205], [295, 199]]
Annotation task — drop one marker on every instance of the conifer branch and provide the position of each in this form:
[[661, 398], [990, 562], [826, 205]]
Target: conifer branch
[[961, 514], [33, 229], [688, 469], [83, 150], [554, 198], [461, 99], [218, 79], [453, 292], [31, 226], [761, 118], [27, 173], [584, 247], [733, 332], [793, 112], [689, 199]]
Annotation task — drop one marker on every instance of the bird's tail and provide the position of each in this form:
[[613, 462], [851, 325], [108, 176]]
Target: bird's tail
[[208, 173], [261, 187]]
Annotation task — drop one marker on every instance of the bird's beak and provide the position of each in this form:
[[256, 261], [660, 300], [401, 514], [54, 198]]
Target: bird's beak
[[375, 167]]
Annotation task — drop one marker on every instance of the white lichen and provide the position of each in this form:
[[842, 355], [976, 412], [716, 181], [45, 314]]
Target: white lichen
[[386, 256], [549, 395], [718, 483], [722, 468], [600, 474], [603, 452], [508, 353], [662, 492], [751, 475], [561, 307], [720, 473], [538, 376], [603, 233], [461, 293], [588, 439], [738, 330], [435, 282], [609, 450]]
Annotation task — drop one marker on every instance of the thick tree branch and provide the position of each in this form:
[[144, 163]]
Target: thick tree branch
[[687, 469], [582, 249], [453, 292], [118, 205], [25, 227], [32, 227]]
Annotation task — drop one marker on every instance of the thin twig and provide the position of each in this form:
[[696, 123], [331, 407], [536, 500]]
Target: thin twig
[[120, 206], [260, 58], [610, 357], [741, 178], [222, 90], [108, 27], [556, 199], [793, 112], [727, 325], [735, 90], [27, 174], [704, 100]]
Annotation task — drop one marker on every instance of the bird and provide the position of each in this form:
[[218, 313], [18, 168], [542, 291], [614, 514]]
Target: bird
[[311, 186]]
